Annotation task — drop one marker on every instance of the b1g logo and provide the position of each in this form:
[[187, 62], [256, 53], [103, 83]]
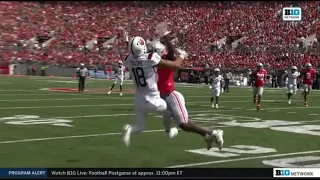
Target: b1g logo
[[282, 172], [292, 14]]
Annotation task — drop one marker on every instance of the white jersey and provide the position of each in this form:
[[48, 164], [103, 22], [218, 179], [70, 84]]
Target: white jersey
[[292, 78], [216, 81], [144, 75], [82, 72], [120, 73]]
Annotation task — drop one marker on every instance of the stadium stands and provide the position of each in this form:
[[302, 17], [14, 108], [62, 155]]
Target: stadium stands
[[74, 32]]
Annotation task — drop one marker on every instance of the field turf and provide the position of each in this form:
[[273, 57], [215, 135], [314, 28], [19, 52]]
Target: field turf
[[41, 128]]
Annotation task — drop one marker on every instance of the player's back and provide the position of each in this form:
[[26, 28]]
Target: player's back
[[142, 72], [292, 77]]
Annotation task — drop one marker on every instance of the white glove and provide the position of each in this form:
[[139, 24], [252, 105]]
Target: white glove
[[125, 35], [181, 53], [162, 29]]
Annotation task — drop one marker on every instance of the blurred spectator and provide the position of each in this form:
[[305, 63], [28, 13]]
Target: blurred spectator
[[225, 34]]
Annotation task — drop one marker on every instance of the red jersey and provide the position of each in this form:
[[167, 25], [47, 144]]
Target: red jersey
[[308, 76], [260, 77], [165, 80]]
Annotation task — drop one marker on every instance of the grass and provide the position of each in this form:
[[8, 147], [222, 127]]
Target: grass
[[84, 130]]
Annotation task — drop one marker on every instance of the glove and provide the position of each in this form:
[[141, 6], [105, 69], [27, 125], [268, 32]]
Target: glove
[[181, 53], [162, 29]]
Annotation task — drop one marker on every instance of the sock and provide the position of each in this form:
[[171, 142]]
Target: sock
[[112, 86]]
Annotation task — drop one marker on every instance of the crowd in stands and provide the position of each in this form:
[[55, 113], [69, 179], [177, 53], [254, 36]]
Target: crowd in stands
[[198, 25]]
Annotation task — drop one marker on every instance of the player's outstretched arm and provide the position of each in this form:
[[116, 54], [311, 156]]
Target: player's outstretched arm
[[126, 37]]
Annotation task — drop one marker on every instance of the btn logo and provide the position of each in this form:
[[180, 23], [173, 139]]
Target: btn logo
[[281, 172], [291, 14]]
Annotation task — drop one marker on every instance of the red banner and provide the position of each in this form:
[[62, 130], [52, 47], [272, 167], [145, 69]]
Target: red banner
[[4, 70]]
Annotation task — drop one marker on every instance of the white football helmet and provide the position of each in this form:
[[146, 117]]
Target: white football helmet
[[259, 66], [137, 46], [294, 68], [216, 70]]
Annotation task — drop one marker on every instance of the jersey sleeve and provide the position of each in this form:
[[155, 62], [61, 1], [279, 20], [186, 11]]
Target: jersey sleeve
[[154, 58]]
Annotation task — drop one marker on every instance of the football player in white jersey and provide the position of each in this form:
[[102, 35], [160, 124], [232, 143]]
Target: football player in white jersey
[[142, 68], [119, 77], [291, 81], [216, 87]]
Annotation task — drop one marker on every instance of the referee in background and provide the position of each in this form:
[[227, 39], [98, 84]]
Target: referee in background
[[227, 78], [82, 73]]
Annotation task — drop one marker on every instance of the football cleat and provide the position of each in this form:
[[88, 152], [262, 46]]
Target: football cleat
[[120, 94], [173, 132], [219, 138], [217, 106], [109, 92], [209, 140]]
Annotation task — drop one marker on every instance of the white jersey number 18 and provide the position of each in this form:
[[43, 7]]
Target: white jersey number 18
[[139, 77]]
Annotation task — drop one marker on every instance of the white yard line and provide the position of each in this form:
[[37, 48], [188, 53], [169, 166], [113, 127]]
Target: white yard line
[[129, 114], [69, 137], [284, 108], [28, 94], [77, 136], [65, 106], [16, 90], [132, 114], [59, 99], [107, 105], [83, 105], [242, 159]]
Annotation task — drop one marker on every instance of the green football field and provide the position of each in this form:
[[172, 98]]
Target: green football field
[[42, 128]]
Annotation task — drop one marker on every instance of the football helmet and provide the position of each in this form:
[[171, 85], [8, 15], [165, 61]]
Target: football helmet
[[308, 65], [137, 46], [259, 66]]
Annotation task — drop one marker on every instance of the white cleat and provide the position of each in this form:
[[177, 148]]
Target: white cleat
[[289, 102], [173, 132], [219, 138], [120, 94], [217, 106], [109, 92], [212, 105], [127, 134], [209, 139]]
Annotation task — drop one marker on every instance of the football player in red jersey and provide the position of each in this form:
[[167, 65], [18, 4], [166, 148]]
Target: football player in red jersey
[[259, 77], [175, 100], [307, 75]]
